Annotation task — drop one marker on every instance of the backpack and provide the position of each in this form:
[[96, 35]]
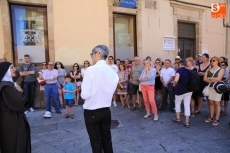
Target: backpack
[[194, 81]]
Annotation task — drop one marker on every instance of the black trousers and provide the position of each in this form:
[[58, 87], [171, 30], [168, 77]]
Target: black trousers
[[98, 124]]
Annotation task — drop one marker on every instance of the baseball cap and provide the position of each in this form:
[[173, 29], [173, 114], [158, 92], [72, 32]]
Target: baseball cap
[[199, 54], [177, 57]]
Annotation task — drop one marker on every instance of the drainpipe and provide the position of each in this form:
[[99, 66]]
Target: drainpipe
[[226, 23]]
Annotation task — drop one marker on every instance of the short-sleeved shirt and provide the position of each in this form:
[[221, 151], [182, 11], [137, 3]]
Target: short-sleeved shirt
[[182, 84], [29, 78], [166, 74], [114, 67], [61, 76], [69, 95], [136, 73]]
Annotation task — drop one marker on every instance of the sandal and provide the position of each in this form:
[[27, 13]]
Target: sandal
[[186, 124], [209, 119], [176, 120], [197, 112], [215, 122], [192, 115]]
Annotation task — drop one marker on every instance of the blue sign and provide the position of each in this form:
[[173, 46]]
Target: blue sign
[[128, 3]]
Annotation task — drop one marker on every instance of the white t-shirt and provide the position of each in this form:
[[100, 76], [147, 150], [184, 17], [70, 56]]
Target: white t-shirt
[[114, 67], [166, 74]]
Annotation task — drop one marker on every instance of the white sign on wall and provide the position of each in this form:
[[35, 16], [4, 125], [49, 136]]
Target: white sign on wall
[[169, 44]]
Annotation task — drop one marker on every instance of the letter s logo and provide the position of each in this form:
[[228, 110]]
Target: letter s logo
[[215, 7]]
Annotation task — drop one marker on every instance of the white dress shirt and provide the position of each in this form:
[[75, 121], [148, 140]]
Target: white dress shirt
[[48, 75], [166, 74], [98, 86]]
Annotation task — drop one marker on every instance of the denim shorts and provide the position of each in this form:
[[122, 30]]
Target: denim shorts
[[69, 102]]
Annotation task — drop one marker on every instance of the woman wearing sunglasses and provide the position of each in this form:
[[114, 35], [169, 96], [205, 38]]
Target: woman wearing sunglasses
[[85, 66], [76, 79], [213, 75]]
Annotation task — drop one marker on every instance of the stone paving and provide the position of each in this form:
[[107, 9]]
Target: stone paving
[[133, 135]]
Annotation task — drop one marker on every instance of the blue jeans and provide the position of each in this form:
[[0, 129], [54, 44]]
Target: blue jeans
[[165, 92], [52, 89], [29, 92]]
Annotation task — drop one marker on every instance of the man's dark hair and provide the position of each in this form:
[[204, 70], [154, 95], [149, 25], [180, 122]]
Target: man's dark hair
[[26, 55], [168, 60], [183, 62], [68, 76], [111, 57]]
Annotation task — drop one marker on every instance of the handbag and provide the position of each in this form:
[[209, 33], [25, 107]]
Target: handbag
[[78, 83], [206, 89], [41, 82], [220, 87]]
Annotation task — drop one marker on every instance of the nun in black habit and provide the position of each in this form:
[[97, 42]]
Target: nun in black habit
[[14, 127]]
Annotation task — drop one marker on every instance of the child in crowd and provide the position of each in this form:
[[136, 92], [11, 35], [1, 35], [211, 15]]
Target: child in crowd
[[69, 91]]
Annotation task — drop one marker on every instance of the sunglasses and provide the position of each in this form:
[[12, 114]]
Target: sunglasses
[[213, 60]]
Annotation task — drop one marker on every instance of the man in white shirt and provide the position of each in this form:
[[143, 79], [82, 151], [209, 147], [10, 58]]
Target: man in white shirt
[[98, 86], [115, 68], [167, 76], [51, 88]]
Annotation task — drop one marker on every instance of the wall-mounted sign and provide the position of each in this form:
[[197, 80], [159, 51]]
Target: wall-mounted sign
[[128, 3], [169, 44]]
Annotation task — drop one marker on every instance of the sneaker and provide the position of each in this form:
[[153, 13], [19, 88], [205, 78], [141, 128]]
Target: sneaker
[[155, 118], [114, 103], [26, 112], [147, 116], [47, 114], [31, 109], [66, 115], [72, 116]]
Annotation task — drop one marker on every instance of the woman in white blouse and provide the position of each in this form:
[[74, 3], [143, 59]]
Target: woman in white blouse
[[85, 66]]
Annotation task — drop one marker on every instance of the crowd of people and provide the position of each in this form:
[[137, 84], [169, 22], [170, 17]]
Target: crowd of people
[[140, 82]]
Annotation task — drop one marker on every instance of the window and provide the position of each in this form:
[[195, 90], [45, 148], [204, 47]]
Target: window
[[29, 32]]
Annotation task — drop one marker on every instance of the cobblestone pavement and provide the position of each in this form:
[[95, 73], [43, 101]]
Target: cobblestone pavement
[[133, 135]]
